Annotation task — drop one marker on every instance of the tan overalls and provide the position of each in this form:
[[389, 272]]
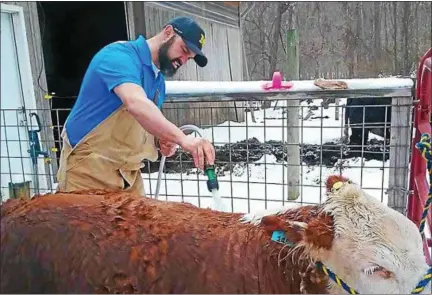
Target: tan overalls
[[109, 157]]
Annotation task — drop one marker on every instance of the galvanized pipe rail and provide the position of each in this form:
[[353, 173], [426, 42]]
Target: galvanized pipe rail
[[210, 91]]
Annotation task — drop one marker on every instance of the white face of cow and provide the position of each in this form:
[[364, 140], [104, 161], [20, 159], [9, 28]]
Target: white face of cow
[[375, 249]]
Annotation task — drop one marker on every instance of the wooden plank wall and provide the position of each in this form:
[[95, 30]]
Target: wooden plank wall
[[223, 48], [39, 78]]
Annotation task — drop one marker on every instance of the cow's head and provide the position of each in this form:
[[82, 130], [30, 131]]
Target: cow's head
[[370, 246]]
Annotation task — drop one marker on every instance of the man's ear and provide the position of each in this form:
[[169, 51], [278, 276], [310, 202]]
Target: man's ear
[[168, 32]]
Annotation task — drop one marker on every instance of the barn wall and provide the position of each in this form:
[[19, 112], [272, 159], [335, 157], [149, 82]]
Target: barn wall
[[223, 48], [38, 72]]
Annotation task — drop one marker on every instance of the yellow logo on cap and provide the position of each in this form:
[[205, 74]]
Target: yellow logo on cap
[[202, 40]]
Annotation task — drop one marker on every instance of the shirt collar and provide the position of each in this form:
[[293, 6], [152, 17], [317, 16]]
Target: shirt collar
[[145, 54], [155, 69]]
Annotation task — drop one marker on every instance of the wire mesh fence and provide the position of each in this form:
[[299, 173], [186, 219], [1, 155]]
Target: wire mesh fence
[[274, 156]]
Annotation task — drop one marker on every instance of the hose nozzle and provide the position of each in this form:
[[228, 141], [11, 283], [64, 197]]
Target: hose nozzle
[[212, 182]]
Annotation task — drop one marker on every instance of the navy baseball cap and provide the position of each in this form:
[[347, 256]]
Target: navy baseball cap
[[193, 36]]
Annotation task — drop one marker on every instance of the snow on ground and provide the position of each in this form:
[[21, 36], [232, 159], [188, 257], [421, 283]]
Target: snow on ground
[[238, 196], [315, 131]]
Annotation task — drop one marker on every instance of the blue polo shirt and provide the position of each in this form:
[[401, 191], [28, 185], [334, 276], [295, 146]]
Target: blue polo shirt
[[116, 63]]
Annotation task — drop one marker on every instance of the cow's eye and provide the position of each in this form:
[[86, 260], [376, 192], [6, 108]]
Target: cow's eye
[[377, 270]]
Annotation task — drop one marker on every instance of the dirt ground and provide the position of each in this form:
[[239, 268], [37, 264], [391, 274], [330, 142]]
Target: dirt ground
[[243, 152]]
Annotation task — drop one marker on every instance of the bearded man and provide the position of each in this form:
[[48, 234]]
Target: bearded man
[[116, 121]]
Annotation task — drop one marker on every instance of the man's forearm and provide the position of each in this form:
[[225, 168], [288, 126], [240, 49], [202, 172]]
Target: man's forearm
[[152, 120], [148, 114]]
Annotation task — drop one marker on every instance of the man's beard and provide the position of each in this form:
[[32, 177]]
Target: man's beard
[[166, 64]]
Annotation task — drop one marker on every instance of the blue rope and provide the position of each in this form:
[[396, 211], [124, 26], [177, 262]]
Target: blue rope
[[335, 278], [423, 283], [424, 146], [280, 237]]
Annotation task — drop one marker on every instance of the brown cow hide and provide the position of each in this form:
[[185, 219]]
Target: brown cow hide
[[111, 242]]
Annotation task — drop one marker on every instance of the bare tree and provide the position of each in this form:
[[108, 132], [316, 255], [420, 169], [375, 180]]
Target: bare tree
[[377, 35], [281, 7], [360, 39], [406, 37], [349, 38], [395, 58]]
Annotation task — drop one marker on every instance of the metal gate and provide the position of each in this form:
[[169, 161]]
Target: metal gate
[[419, 178]]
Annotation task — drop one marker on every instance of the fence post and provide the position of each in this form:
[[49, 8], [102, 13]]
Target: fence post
[[293, 106], [399, 153], [337, 102]]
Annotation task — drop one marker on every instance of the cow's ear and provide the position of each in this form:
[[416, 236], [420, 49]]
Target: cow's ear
[[315, 236], [272, 223], [293, 230]]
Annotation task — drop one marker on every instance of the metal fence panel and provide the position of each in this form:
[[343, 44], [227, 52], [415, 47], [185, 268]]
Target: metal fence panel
[[252, 156]]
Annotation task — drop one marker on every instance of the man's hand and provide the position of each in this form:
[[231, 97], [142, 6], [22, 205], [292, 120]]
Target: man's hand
[[167, 148], [201, 149]]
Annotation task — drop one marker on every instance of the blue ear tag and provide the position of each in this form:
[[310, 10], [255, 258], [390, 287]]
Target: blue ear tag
[[280, 237]]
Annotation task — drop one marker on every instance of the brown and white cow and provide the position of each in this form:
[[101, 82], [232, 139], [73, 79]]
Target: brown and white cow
[[111, 242]]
